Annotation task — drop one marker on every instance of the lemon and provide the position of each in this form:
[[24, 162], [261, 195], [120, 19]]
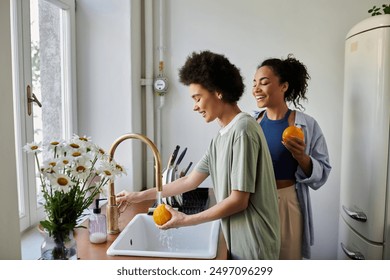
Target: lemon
[[161, 215], [292, 131]]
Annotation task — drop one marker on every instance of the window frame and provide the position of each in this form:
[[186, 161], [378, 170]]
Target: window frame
[[31, 213]]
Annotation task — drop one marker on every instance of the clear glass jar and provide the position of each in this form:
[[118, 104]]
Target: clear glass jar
[[61, 246]]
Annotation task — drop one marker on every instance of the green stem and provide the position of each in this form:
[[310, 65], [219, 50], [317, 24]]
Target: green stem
[[39, 170]]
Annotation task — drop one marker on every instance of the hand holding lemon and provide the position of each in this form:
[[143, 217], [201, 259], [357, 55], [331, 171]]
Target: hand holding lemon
[[161, 215], [296, 147]]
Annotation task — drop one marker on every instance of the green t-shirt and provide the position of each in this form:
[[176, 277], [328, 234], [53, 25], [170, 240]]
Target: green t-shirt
[[238, 159]]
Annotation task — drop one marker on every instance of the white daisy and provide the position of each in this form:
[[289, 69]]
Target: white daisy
[[82, 138], [119, 169], [49, 167], [32, 147], [55, 145], [64, 161], [74, 145], [99, 152], [47, 171], [81, 169], [82, 141], [75, 153], [107, 170], [61, 182], [52, 162]]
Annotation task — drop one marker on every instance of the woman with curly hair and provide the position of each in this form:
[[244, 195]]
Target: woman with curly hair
[[298, 164], [237, 160]]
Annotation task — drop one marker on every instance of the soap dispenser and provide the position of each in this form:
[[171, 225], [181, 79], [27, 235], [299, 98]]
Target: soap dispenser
[[97, 224]]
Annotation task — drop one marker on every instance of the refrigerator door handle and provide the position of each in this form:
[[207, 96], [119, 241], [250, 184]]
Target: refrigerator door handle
[[351, 254], [358, 216]]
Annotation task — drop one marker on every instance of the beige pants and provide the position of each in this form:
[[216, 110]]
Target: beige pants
[[290, 224]]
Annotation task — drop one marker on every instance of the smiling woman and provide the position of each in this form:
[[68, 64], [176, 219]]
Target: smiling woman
[[299, 155]]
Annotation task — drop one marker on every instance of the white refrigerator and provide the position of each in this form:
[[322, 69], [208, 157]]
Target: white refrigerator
[[364, 223]]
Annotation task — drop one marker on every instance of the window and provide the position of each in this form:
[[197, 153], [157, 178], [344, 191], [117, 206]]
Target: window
[[44, 88]]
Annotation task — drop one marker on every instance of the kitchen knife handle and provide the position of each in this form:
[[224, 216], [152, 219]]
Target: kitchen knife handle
[[174, 155], [184, 171], [356, 215], [351, 254], [181, 157]]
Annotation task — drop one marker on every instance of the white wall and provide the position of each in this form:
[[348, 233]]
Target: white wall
[[9, 214], [246, 31], [108, 103]]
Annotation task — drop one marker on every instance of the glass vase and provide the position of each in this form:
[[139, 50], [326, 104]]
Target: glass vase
[[59, 246]]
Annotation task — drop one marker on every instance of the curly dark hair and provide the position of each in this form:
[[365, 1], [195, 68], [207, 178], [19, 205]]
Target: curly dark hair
[[295, 73], [215, 73]]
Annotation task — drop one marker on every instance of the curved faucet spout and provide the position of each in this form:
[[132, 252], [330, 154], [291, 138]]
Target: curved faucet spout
[[112, 206]]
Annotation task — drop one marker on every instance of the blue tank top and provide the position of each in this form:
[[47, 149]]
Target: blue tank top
[[284, 164]]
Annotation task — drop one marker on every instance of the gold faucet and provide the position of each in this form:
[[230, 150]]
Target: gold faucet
[[112, 209]]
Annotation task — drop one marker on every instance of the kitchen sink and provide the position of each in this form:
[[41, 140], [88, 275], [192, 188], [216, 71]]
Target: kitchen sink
[[141, 237]]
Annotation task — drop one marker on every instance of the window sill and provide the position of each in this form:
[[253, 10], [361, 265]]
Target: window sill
[[31, 244]]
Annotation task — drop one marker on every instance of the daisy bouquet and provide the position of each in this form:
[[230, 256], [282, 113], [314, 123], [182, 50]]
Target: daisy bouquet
[[71, 176]]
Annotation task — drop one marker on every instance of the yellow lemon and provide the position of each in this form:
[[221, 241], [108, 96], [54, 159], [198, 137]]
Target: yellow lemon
[[292, 131], [161, 215]]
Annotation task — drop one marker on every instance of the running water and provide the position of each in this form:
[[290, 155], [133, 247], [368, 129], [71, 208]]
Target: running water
[[165, 236], [159, 198], [166, 240]]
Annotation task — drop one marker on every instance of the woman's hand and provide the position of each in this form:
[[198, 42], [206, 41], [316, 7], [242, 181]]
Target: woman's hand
[[123, 197], [297, 148], [126, 197], [135, 197], [177, 220]]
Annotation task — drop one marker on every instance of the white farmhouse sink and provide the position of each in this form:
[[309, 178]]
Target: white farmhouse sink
[[141, 237]]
